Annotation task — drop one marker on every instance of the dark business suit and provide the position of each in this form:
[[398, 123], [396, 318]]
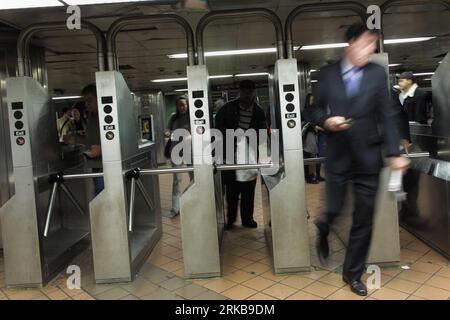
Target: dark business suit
[[356, 154]]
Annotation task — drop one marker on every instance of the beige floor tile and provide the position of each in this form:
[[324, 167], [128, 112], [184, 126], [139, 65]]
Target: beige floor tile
[[261, 296], [258, 283], [23, 294], [439, 282], [317, 274], [190, 291], [333, 279], [255, 256], [415, 298], [297, 282], [113, 294], [425, 267], [3, 296], [391, 271], [238, 262], [320, 289], [389, 294], [83, 296], [403, 285], [415, 276], [302, 295], [219, 285], [159, 260], [280, 291], [241, 251], [238, 292], [432, 293], [256, 268], [418, 246], [342, 294], [274, 277], [172, 266], [444, 272], [239, 276], [58, 295]]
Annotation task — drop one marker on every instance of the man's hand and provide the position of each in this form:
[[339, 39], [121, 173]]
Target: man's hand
[[399, 163], [95, 151], [336, 124]]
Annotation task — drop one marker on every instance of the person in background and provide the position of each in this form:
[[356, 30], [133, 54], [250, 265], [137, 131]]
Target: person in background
[[79, 124], [93, 141], [64, 125], [313, 140], [242, 113], [178, 120], [412, 105], [352, 102]]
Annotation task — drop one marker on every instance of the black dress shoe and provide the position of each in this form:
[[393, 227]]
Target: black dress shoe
[[356, 286], [323, 250], [250, 224]]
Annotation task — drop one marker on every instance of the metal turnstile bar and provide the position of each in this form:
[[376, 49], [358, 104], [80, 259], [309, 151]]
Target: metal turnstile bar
[[414, 155], [226, 167], [51, 204], [69, 195], [166, 170], [132, 199], [82, 176], [144, 194]]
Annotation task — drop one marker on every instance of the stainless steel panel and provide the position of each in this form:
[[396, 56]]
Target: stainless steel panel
[[284, 193], [200, 218], [441, 99], [118, 253]]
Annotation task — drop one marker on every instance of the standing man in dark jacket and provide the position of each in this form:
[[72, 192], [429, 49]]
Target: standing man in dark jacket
[[242, 113], [412, 104], [352, 103]]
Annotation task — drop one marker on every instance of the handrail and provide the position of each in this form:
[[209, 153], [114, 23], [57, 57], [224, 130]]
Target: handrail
[[142, 19], [258, 12], [353, 6], [23, 43]]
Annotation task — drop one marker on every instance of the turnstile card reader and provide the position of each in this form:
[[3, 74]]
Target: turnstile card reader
[[284, 203], [118, 253]]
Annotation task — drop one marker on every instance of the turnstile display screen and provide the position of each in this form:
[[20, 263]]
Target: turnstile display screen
[[17, 105], [197, 94], [107, 100], [288, 88]]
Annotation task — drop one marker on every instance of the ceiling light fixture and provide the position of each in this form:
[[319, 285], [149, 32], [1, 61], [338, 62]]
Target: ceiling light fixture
[[423, 74], [23, 4], [67, 98], [408, 40], [257, 74], [229, 52], [85, 2], [394, 65]]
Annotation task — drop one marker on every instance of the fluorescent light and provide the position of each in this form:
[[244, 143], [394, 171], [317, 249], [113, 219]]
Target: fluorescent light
[[185, 79], [324, 46], [407, 40], [423, 74], [22, 4], [429, 79], [314, 81], [181, 90], [220, 77], [169, 80], [67, 98], [313, 70], [252, 74], [394, 65], [83, 2], [229, 52]]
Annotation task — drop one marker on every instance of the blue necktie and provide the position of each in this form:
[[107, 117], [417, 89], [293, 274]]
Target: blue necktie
[[352, 81]]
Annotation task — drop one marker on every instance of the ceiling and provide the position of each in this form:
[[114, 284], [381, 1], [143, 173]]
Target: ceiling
[[143, 50]]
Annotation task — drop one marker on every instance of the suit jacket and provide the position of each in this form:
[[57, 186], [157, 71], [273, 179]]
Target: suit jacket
[[413, 109], [373, 134]]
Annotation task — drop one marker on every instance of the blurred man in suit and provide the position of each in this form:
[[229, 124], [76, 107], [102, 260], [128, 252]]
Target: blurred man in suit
[[352, 104]]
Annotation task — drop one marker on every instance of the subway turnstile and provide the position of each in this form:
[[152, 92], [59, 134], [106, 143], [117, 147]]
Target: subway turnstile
[[283, 194], [36, 245], [126, 216], [202, 216]]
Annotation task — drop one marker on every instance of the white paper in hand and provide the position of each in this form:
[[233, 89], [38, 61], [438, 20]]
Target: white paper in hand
[[395, 181]]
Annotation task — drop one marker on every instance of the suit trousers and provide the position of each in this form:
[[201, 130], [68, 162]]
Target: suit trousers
[[365, 187], [246, 190]]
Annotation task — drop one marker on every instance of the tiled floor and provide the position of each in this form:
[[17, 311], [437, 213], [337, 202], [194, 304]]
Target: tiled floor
[[247, 271]]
